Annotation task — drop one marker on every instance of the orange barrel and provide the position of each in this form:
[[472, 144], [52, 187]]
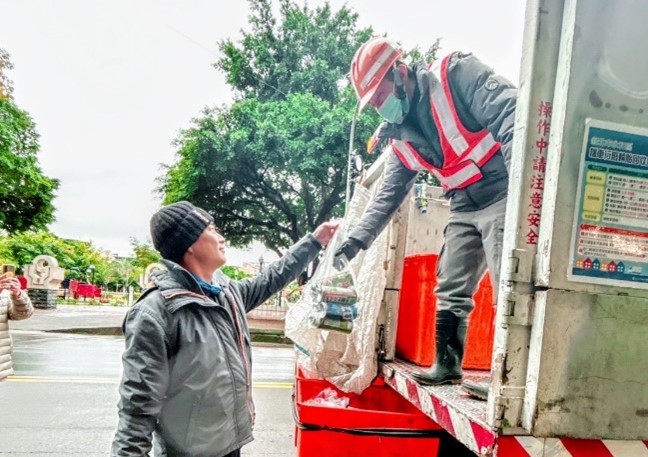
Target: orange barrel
[[481, 328], [415, 339]]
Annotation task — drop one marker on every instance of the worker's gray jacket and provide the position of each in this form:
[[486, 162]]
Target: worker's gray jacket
[[184, 371], [483, 100]]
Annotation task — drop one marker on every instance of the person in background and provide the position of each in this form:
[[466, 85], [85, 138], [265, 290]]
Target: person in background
[[14, 305], [453, 119], [187, 364]]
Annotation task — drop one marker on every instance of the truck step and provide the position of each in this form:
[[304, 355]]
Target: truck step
[[449, 406]]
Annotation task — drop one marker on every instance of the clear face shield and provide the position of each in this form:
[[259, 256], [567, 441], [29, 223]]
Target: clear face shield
[[395, 105]]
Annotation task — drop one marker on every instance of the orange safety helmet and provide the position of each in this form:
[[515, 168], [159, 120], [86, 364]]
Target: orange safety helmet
[[370, 65]]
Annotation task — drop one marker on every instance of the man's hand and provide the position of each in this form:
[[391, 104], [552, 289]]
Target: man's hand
[[10, 284], [325, 232], [346, 253]]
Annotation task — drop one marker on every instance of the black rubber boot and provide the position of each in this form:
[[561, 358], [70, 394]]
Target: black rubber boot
[[478, 390], [450, 337]]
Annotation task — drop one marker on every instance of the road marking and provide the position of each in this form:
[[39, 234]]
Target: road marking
[[79, 380], [50, 379], [272, 385]]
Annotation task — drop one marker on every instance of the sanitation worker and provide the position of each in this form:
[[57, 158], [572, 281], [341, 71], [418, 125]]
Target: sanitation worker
[[454, 119]]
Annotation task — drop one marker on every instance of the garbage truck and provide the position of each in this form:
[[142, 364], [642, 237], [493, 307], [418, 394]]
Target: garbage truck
[[565, 348]]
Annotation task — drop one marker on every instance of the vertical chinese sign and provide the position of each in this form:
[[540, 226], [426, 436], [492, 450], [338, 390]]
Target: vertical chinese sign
[[539, 158]]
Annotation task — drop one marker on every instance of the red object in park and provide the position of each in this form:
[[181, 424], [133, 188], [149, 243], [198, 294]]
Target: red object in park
[[23, 282], [84, 290]]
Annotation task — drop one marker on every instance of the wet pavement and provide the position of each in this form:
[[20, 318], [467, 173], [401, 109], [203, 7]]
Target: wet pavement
[[63, 355], [95, 319], [62, 400]]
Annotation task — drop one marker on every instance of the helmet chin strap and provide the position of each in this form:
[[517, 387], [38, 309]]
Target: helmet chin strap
[[399, 87]]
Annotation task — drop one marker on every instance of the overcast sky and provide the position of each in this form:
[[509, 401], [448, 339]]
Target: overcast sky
[[110, 83]]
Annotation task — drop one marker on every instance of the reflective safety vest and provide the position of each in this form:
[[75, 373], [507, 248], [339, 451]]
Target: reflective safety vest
[[464, 152]]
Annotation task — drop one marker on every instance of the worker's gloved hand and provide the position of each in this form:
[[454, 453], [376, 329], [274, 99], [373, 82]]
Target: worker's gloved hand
[[346, 253]]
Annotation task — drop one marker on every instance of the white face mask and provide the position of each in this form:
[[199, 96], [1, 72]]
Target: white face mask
[[394, 109]]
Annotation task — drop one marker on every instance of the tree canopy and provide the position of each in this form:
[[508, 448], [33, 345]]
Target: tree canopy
[[301, 51], [26, 194], [272, 166]]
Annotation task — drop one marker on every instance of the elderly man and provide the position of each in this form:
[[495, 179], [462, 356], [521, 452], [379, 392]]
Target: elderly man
[[187, 363], [453, 119]]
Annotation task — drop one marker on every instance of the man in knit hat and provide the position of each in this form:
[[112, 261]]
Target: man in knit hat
[[187, 363]]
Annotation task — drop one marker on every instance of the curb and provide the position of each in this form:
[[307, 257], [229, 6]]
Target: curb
[[109, 331], [257, 335]]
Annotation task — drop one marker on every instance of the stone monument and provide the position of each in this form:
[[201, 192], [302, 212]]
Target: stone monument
[[145, 278], [44, 276]]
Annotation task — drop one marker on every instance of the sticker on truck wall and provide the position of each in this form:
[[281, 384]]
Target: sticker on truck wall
[[610, 238]]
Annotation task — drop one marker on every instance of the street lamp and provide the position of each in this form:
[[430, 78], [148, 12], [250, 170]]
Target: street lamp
[[90, 272], [350, 155]]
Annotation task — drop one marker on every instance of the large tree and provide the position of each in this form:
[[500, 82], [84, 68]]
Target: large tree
[[272, 166], [25, 192]]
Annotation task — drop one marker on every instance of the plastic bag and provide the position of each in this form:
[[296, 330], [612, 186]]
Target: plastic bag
[[329, 397], [347, 360], [328, 303]]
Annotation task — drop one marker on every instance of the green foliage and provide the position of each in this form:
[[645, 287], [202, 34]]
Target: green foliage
[[145, 254], [234, 273], [77, 257], [25, 193], [429, 55], [6, 85], [267, 171], [81, 260], [272, 166], [122, 273], [302, 51]]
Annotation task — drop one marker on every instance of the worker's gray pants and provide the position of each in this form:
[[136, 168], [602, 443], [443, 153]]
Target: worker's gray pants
[[473, 241]]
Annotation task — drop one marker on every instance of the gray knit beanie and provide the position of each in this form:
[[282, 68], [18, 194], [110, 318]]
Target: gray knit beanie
[[176, 227]]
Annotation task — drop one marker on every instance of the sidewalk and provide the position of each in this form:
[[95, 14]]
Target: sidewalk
[[107, 320]]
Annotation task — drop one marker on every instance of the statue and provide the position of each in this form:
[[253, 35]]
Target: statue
[[145, 278], [44, 273], [44, 276]]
